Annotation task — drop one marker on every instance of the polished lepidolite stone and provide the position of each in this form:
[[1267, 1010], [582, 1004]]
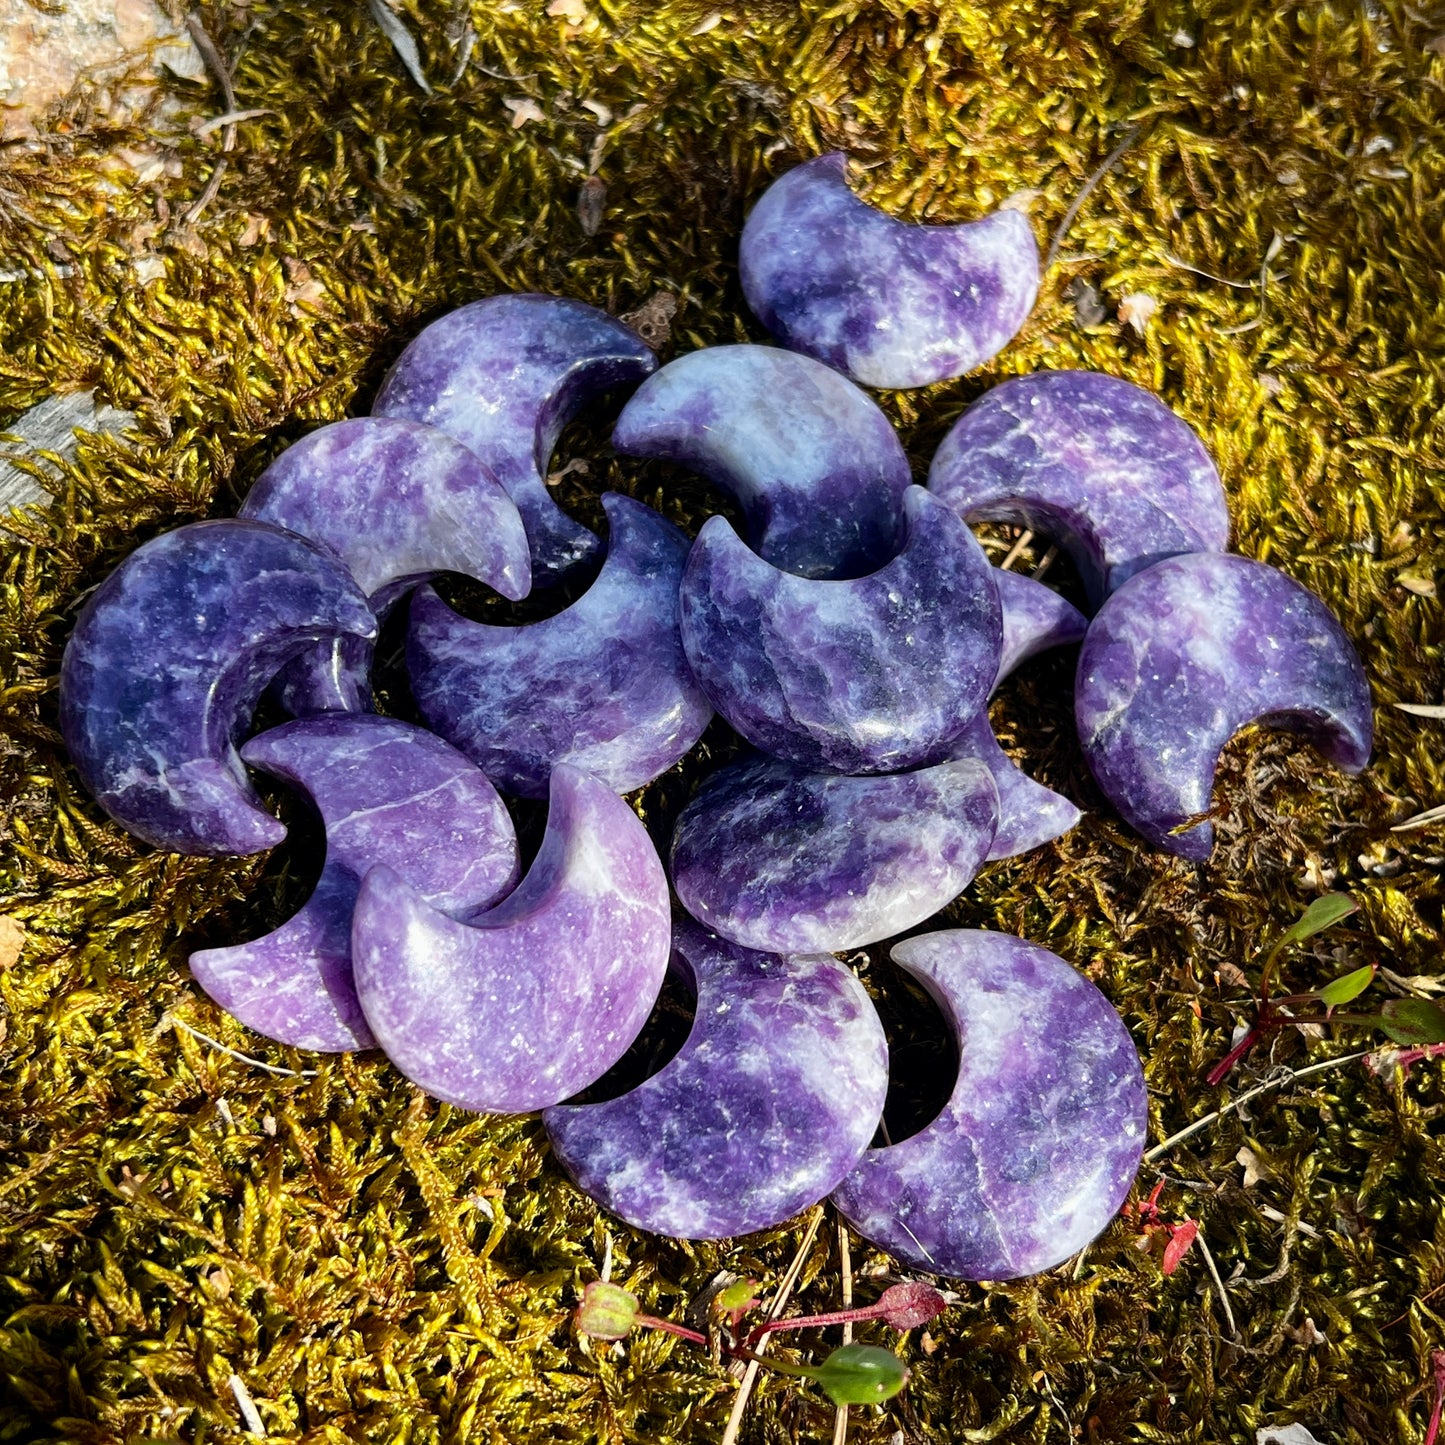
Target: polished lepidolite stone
[[1042, 1134], [1096, 462], [870, 675], [886, 303], [603, 685], [530, 1002], [1029, 814], [504, 376], [165, 666], [1035, 619], [398, 502], [773, 857], [816, 466], [769, 1103], [1183, 656], [387, 793]]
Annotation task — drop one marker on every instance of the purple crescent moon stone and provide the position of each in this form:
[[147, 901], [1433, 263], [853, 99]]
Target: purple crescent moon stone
[[165, 666], [816, 466], [1035, 618], [532, 1001], [387, 793], [504, 376], [398, 502], [871, 675], [886, 303], [773, 857], [603, 685], [1096, 462], [1042, 1135], [1187, 653], [767, 1106]]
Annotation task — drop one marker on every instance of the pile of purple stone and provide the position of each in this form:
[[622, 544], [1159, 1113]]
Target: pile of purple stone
[[853, 639]]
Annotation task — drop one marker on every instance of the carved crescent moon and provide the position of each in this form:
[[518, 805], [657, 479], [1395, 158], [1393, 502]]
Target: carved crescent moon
[[816, 466], [767, 1106], [1042, 1134], [1187, 653], [1090, 459], [1035, 618], [165, 666], [886, 303], [530, 1002], [603, 685], [773, 857], [387, 793], [871, 675], [504, 376], [398, 502]]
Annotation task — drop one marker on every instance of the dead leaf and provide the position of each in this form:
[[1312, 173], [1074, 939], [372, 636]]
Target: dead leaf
[[574, 12], [555, 479], [257, 229], [402, 40], [12, 940], [1285, 1435], [591, 203], [1022, 201], [704, 27], [1232, 974], [1307, 1335], [148, 268], [1255, 1168], [600, 111], [523, 109], [652, 321], [1088, 302], [1137, 310], [1422, 584]]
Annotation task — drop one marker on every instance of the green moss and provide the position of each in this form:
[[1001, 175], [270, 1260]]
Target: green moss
[[380, 1268]]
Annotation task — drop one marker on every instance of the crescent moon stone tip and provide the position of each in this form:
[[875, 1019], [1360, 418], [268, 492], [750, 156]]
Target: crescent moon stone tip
[[887, 303]]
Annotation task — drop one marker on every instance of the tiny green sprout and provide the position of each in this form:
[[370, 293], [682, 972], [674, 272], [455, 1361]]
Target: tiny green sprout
[[607, 1311], [861, 1375], [738, 1296], [1347, 988], [1414, 1022]]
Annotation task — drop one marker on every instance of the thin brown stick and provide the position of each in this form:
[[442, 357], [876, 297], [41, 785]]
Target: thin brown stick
[[1110, 161], [236, 1054], [779, 1304], [1025, 537], [1046, 562], [209, 194], [1153, 1155], [218, 67], [845, 1268], [1218, 1284]]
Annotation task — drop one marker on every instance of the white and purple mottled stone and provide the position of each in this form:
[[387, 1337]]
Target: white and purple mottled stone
[[529, 1002], [504, 376], [398, 502], [887, 303], [773, 857], [1187, 653], [769, 1103], [816, 466], [1035, 619], [167, 661], [1042, 1135], [603, 685], [387, 793], [873, 674], [1094, 461]]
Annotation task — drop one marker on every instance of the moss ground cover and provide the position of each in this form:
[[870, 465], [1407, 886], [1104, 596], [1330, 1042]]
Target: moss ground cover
[[372, 1266]]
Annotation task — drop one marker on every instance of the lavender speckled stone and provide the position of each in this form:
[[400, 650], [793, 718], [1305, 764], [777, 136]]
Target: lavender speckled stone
[[1035, 618], [1183, 656], [886, 303], [166, 663], [398, 502], [603, 685], [387, 793], [773, 857], [537, 998], [1029, 814], [871, 675], [817, 467], [504, 376], [1096, 462], [767, 1106], [1042, 1135]]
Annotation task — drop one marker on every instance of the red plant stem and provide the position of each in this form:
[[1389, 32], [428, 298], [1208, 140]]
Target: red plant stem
[[652, 1322], [810, 1322], [1437, 1361], [1221, 1071]]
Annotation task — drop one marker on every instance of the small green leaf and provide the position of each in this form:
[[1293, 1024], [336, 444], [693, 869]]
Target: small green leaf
[[607, 1311], [1348, 987], [861, 1375], [1413, 1021], [739, 1295], [1323, 913]]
